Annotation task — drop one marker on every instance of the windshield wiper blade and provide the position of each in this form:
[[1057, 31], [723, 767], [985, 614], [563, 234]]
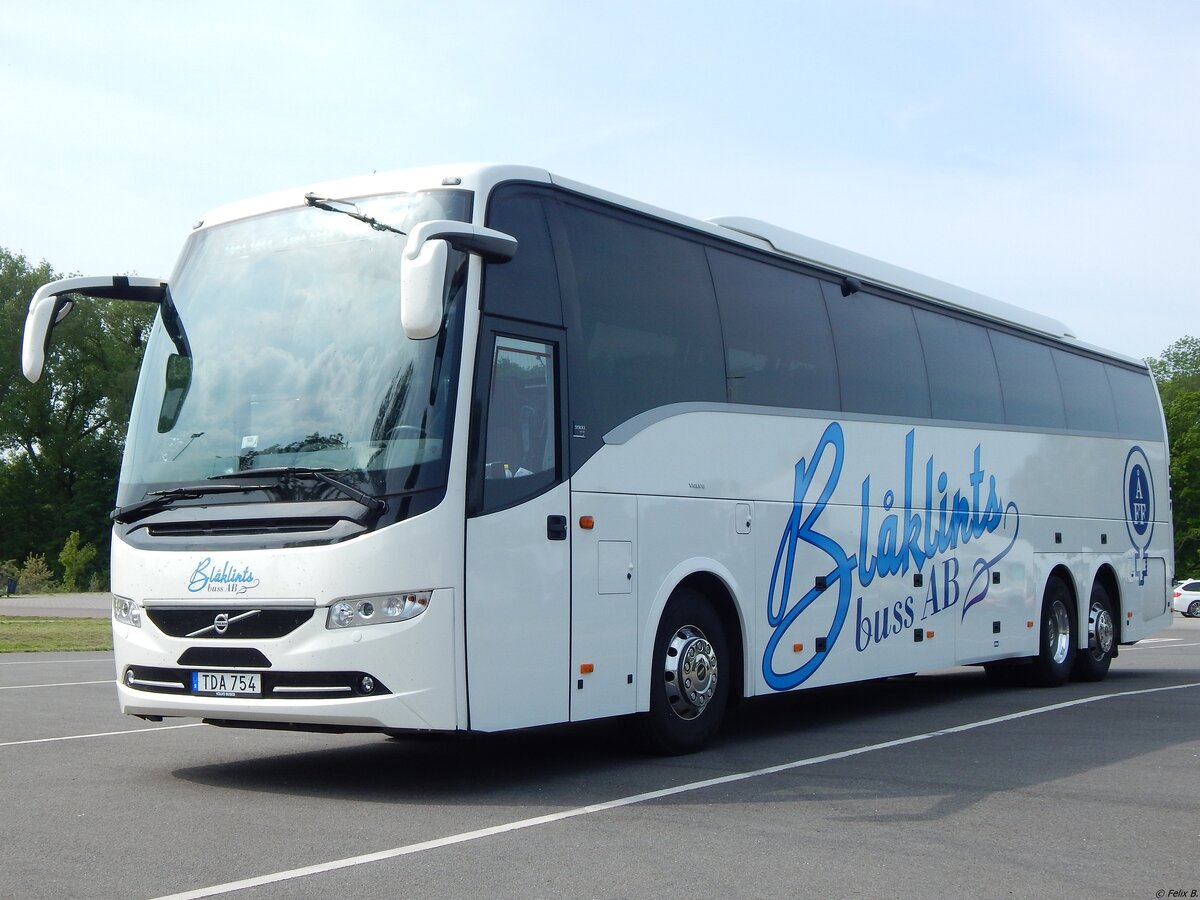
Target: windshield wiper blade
[[370, 501], [327, 204], [157, 501]]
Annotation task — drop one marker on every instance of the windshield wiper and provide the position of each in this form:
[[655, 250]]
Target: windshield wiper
[[156, 501], [370, 501], [327, 204]]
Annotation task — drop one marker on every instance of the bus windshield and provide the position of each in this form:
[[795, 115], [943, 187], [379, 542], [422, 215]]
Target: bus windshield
[[297, 357]]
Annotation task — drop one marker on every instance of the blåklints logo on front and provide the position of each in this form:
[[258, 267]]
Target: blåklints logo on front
[[226, 579], [1139, 509]]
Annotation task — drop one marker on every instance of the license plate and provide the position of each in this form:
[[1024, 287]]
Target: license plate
[[227, 684]]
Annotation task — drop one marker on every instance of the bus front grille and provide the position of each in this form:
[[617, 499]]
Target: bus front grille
[[237, 623]]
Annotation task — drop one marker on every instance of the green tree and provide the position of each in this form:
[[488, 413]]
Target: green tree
[[61, 439], [1178, 374], [1178, 369], [75, 558]]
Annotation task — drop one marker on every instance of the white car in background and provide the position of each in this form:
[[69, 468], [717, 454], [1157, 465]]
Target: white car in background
[[1187, 598]]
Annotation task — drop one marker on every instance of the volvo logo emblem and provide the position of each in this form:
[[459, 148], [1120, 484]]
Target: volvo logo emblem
[[222, 621]]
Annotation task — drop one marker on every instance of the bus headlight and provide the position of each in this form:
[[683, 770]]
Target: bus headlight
[[341, 615], [127, 611], [377, 609]]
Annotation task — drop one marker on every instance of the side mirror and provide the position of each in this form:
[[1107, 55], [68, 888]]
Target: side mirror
[[422, 287], [50, 306], [423, 268], [178, 382]]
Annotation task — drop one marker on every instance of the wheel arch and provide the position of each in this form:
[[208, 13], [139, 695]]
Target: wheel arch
[[717, 585], [1063, 573]]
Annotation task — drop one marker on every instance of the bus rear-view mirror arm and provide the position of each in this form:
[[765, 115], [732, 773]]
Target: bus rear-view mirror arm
[[423, 268], [52, 303]]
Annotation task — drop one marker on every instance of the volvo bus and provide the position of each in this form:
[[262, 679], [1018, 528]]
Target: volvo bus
[[476, 448]]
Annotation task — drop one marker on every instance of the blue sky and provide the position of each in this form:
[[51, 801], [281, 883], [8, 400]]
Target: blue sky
[[1045, 153]]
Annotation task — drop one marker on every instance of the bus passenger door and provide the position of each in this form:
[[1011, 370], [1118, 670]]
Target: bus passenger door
[[517, 593]]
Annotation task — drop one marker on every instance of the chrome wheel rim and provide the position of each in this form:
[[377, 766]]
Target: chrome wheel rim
[[1100, 631], [689, 672], [1058, 633], [1194, 609]]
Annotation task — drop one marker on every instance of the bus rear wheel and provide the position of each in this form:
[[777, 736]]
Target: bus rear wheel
[[688, 690], [1092, 664], [1056, 655]]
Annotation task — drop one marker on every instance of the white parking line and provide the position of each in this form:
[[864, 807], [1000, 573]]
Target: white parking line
[[1163, 644], [466, 836], [57, 662], [80, 737], [20, 687]]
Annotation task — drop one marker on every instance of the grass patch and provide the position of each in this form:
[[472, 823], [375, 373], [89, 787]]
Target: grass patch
[[25, 634]]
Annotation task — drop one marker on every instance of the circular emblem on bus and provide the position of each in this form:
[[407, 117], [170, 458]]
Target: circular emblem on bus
[[1139, 499], [221, 623]]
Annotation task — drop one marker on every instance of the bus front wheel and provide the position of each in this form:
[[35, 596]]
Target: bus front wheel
[[688, 689], [1056, 655]]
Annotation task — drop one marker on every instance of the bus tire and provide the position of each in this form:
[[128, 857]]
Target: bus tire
[[688, 689], [1056, 654], [1091, 664]]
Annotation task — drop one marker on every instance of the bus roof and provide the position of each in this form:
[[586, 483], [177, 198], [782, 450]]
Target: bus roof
[[482, 178]]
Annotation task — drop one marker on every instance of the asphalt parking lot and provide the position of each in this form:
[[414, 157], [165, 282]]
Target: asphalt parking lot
[[932, 786]]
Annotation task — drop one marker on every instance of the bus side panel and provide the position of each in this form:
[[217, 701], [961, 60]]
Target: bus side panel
[[1154, 609], [885, 547], [604, 616]]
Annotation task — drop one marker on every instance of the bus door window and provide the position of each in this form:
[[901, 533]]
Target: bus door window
[[521, 440]]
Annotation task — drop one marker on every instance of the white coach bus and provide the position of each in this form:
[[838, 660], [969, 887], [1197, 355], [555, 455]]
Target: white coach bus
[[479, 448]]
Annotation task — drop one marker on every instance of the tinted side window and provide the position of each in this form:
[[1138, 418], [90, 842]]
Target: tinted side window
[[647, 315], [778, 346], [525, 287], [880, 363], [1136, 400], [1029, 382], [1086, 395], [963, 381]]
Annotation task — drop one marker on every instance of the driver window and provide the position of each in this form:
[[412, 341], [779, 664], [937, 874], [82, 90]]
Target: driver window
[[522, 429]]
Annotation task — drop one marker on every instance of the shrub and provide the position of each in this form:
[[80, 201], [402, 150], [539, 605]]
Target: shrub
[[35, 576]]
